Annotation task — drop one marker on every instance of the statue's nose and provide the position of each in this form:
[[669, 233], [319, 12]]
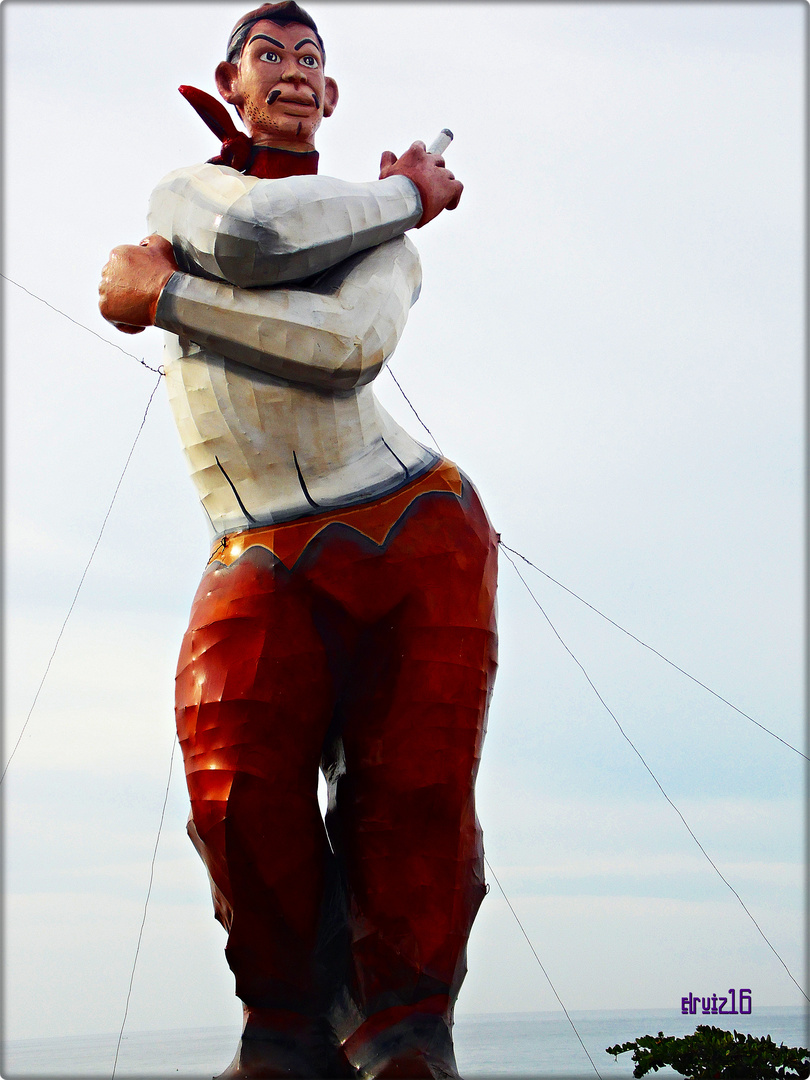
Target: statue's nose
[[294, 75]]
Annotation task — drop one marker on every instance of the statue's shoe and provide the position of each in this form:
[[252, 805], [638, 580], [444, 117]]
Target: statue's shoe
[[270, 1059], [417, 1047], [414, 1065]]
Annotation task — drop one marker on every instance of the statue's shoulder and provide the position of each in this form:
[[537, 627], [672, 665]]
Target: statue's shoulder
[[195, 195], [221, 179]]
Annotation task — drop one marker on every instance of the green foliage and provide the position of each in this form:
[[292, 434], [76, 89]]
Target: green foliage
[[712, 1053]]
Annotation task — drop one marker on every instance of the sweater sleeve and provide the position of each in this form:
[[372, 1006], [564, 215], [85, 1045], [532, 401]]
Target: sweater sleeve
[[335, 335], [253, 233]]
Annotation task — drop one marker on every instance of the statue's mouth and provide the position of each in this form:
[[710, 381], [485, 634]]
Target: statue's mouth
[[290, 99]]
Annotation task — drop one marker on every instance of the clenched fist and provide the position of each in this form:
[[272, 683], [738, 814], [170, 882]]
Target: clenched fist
[[132, 281], [438, 188]]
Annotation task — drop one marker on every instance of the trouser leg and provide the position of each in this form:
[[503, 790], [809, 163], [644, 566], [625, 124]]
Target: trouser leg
[[384, 657], [254, 699], [403, 814], [413, 851]]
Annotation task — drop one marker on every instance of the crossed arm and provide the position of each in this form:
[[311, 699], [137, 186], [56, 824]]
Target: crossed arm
[[335, 336], [245, 234], [257, 233]]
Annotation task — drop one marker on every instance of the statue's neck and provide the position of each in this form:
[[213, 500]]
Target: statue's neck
[[269, 163]]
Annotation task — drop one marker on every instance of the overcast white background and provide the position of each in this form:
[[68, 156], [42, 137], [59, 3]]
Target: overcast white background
[[609, 342]]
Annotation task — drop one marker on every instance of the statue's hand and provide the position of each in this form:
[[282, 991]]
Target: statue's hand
[[132, 281], [438, 188]]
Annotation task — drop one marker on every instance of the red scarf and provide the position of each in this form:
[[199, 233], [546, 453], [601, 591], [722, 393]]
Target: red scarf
[[238, 150]]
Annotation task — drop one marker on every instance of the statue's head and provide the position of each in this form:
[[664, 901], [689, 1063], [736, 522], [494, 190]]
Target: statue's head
[[274, 75]]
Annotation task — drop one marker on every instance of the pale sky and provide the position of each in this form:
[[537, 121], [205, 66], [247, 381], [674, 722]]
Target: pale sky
[[609, 342]]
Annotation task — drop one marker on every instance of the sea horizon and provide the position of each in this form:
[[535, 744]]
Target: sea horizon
[[527, 1045]]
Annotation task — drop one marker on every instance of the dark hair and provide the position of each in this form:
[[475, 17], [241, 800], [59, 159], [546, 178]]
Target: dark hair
[[281, 14]]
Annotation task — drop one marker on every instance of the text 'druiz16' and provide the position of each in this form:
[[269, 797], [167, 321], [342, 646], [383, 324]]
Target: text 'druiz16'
[[717, 1004]]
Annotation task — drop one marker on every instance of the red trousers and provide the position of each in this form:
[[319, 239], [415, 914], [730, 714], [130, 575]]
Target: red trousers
[[373, 661]]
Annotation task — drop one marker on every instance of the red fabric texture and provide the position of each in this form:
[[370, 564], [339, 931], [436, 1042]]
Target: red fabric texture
[[376, 662]]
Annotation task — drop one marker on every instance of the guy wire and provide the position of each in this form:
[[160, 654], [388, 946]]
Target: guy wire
[[160, 373], [84, 575], [602, 615], [655, 778], [413, 410], [112, 344], [537, 958], [507, 549], [145, 907]]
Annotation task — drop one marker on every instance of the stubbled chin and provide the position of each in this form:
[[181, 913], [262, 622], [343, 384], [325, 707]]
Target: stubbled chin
[[272, 123]]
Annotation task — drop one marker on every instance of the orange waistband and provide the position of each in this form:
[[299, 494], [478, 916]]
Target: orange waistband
[[374, 520]]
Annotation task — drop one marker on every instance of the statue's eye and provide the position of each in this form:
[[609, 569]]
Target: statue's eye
[[271, 57], [310, 61]]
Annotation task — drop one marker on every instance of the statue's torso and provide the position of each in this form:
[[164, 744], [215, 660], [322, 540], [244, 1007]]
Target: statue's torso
[[246, 430]]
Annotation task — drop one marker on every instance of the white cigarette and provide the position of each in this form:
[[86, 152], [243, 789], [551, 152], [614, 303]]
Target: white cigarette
[[441, 142]]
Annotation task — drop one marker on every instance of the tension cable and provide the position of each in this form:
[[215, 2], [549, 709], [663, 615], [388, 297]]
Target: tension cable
[[413, 410], [638, 754], [84, 575], [112, 344], [537, 958], [160, 373], [145, 906], [652, 650]]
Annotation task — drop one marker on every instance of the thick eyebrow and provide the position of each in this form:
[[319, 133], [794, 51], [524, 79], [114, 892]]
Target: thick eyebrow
[[264, 37], [308, 41]]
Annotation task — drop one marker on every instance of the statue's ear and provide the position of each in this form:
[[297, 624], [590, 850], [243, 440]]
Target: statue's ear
[[330, 96], [227, 80]]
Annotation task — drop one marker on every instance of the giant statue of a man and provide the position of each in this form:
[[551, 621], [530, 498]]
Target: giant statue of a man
[[345, 618]]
